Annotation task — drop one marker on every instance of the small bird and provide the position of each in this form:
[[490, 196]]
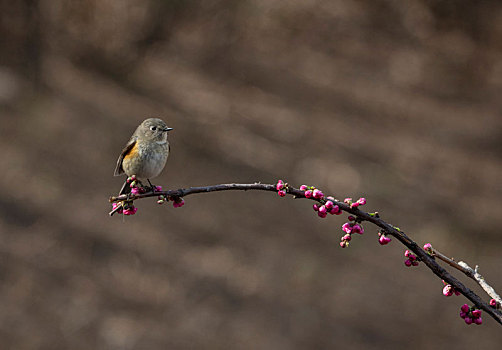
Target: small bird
[[146, 153]]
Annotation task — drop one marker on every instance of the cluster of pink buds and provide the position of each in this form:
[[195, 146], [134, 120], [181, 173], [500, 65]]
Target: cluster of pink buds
[[135, 185], [126, 208], [449, 290], [360, 201], [328, 207], [281, 188], [350, 227], [311, 192], [178, 202], [412, 259], [383, 239], [470, 314], [494, 303]]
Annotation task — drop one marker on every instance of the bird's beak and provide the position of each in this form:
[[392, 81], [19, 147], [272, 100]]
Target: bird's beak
[[168, 129]]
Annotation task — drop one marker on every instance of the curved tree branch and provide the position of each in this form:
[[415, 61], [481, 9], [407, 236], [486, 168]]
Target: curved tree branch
[[374, 218]]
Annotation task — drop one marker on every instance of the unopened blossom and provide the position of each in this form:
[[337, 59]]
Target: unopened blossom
[[383, 240], [135, 190], [317, 194], [476, 313], [448, 290], [358, 229], [347, 227], [130, 211], [179, 202], [280, 185]]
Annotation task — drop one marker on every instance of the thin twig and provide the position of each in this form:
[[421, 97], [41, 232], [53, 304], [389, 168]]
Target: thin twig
[[481, 281], [452, 262]]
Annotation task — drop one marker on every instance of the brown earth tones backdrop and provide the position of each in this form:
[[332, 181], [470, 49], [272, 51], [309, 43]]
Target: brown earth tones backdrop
[[399, 101]]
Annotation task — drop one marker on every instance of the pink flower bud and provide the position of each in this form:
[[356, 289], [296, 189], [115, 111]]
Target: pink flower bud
[[383, 240], [280, 185], [463, 314], [354, 205], [493, 303], [281, 193], [330, 198], [178, 203], [428, 247], [476, 313], [315, 207], [478, 320], [465, 308], [358, 229], [447, 291], [361, 201], [323, 210], [329, 205], [335, 210], [407, 262], [347, 237], [407, 253], [414, 263], [322, 215], [468, 320], [351, 218], [347, 227], [303, 188], [158, 188], [347, 200], [135, 190], [308, 194], [457, 293], [317, 194], [130, 211], [160, 201], [133, 178], [344, 244]]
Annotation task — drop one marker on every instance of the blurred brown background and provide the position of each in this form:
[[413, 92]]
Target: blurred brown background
[[399, 101]]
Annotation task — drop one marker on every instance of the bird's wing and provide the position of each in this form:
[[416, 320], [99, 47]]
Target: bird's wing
[[118, 169]]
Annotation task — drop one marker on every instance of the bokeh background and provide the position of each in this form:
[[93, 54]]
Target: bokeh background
[[397, 101]]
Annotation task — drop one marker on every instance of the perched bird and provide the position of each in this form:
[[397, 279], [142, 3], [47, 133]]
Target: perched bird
[[146, 153]]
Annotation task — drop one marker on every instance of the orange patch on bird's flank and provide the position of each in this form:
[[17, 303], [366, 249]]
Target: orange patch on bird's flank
[[132, 152]]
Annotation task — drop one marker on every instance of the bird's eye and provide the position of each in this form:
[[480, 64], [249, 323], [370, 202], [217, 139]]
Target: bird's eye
[[153, 128]]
